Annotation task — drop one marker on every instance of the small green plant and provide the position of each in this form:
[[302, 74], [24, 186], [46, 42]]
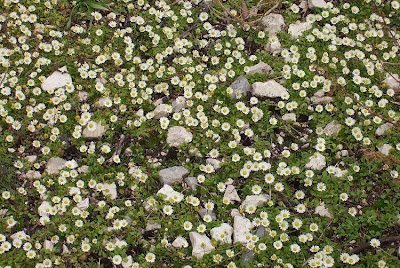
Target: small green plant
[[87, 6]]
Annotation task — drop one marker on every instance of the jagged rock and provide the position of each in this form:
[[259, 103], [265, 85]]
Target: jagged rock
[[84, 204], [317, 4], [65, 249], [297, 29], [31, 158], [203, 212], [201, 244], [110, 190], [240, 87], [83, 96], [393, 82], [32, 174], [223, 233], [255, 200], [162, 110], [178, 104], [172, 175], [48, 245], [273, 23], [83, 169], [44, 209], [231, 193], [384, 149], [320, 98], [317, 162], [235, 212], [270, 89], [322, 211], [180, 242], [94, 134], [192, 183], [383, 128], [152, 226], [54, 165], [273, 47], [178, 136], [59, 78], [332, 129], [249, 255], [289, 116], [214, 162], [170, 194], [260, 68], [241, 227]]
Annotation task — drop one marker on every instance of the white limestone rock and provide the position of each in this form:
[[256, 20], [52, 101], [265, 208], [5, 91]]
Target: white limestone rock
[[270, 89], [192, 183], [241, 227], [179, 103], [385, 149], [33, 174], [201, 244], [48, 245], [59, 78], [289, 116], [332, 129], [110, 190], [320, 98], [84, 204], [317, 4], [172, 175], [170, 194], [298, 28], [231, 193], [180, 242], [255, 200], [98, 132], [178, 136], [127, 262], [54, 165], [273, 46], [260, 68], [223, 233], [322, 211], [393, 82], [273, 23], [240, 87], [317, 162], [44, 209], [162, 110], [380, 131], [214, 162]]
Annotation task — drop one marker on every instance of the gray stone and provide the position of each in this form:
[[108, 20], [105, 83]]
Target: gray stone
[[240, 87], [152, 226], [203, 212], [201, 244], [249, 255], [332, 129], [317, 4], [59, 78], [273, 23], [192, 183], [393, 82], [297, 29], [172, 175], [380, 131], [322, 211], [110, 189], [214, 162], [180, 242], [170, 194], [273, 47], [178, 104], [54, 165], [178, 136], [94, 134], [241, 227], [260, 68], [231, 193], [385, 149], [32, 174], [162, 110], [223, 233], [317, 162], [289, 116], [270, 89], [255, 200]]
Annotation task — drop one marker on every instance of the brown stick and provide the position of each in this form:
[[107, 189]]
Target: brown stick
[[383, 241]]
